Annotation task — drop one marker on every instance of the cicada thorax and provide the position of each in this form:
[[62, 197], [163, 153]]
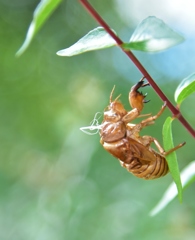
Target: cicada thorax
[[113, 128], [111, 132]]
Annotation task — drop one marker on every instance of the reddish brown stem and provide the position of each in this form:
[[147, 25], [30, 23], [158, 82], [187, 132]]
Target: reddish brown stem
[[176, 113]]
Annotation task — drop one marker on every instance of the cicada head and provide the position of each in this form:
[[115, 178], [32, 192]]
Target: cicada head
[[115, 110], [117, 107]]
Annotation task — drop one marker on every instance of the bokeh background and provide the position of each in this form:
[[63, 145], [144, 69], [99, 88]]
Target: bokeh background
[[57, 182]]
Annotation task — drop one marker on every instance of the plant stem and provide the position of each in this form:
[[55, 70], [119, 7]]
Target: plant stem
[[176, 113]]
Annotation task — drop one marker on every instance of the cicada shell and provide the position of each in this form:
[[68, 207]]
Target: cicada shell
[[121, 138]]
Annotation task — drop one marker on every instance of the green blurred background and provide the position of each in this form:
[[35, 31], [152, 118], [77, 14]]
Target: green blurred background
[[57, 182]]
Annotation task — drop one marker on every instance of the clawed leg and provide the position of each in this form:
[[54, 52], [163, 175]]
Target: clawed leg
[[147, 140], [148, 121], [151, 119], [136, 98], [174, 149], [131, 115]]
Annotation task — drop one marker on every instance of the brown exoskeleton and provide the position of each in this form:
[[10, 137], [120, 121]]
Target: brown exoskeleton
[[121, 138]]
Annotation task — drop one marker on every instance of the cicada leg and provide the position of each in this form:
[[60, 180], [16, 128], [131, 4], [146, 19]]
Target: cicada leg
[[136, 98], [174, 149], [131, 115], [147, 140], [151, 120], [134, 129]]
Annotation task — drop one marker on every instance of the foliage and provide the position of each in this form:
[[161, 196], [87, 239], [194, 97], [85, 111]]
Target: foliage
[[96, 39], [57, 183], [185, 88], [171, 158], [151, 35], [41, 14], [187, 177]]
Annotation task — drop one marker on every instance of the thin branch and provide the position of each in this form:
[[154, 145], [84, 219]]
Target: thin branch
[[176, 113]]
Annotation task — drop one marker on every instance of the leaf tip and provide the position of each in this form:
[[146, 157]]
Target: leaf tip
[[185, 88], [20, 52], [59, 53]]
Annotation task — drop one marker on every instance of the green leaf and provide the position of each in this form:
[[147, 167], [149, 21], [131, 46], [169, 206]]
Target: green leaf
[[185, 88], [171, 158], [153, 35], [96, 39], [187, 177], [43, 10]]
